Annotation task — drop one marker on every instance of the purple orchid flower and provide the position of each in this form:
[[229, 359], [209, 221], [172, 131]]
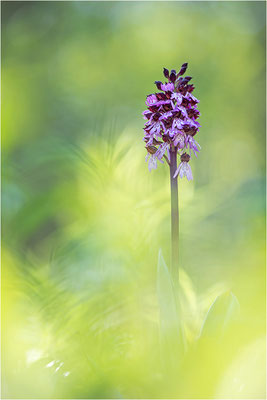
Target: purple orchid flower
[[184, 168], [171, 121]]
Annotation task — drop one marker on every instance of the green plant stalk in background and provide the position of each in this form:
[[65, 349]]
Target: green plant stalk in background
[[174, 218]]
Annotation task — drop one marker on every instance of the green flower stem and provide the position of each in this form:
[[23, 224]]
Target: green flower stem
[[174, 217], [175, 250]]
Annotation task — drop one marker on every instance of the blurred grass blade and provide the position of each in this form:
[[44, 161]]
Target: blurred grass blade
[[222, 312], [170, 332]]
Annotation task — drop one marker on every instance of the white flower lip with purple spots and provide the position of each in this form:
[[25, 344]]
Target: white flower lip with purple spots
[[171, 121]]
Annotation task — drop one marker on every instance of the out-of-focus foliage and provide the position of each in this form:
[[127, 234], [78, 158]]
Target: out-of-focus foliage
[[83, 220]]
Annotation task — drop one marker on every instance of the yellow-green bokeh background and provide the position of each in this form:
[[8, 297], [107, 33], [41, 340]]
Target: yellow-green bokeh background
[[83, 219]]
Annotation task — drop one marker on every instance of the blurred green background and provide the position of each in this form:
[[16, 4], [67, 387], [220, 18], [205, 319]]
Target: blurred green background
[[83, 219]]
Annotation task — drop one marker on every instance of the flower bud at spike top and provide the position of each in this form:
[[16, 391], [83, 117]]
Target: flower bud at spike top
[[158, 84], [183, 69], [166, 73], [173, 75], [171, 121]]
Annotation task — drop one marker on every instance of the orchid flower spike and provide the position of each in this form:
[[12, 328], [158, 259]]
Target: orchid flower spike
[[171, 121]]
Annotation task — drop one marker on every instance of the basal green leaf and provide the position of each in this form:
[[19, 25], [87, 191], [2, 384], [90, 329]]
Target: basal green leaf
[[170, 318], [222, 312]]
